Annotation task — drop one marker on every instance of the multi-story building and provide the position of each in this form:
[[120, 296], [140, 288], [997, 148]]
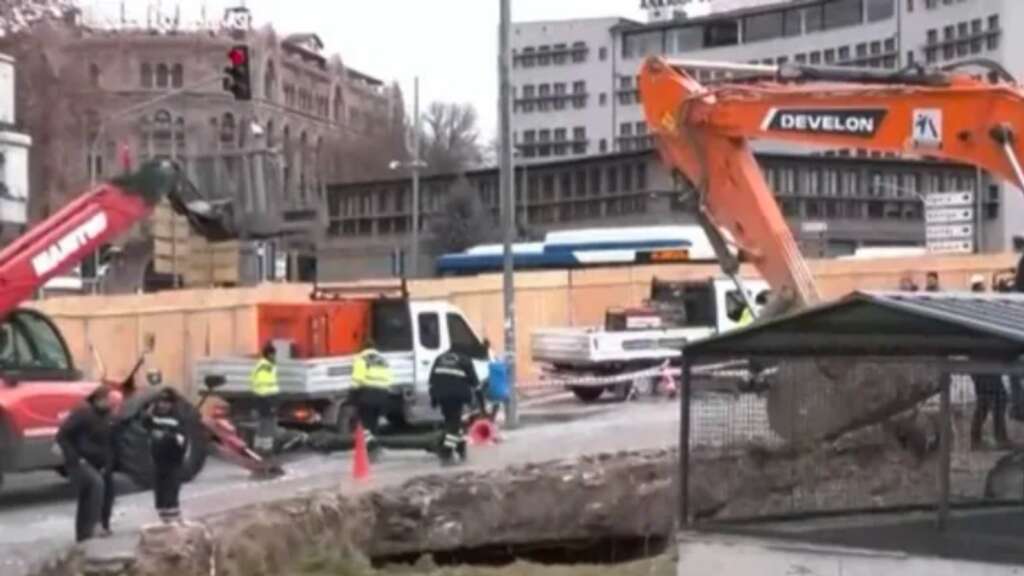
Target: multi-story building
[[604, 56], [856, 199], [14, 148], [97, 96]]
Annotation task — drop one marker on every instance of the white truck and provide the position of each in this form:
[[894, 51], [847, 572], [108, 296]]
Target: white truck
[[638, 339], [315, 391]]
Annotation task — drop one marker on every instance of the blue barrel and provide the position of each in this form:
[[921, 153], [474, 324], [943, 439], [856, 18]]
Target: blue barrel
[[497, 375]]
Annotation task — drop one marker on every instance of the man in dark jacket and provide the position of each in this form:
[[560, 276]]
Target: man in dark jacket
[[453, 382], [86, 440], [168, 444]]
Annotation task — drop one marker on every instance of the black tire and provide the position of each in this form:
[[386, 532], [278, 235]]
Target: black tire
[[133, 455], [587, 393]]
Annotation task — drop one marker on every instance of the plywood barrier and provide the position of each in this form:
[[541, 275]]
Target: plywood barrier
[[190, 324]]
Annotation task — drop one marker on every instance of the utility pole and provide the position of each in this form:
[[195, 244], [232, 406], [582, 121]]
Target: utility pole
[[415, 251], [507, 182]]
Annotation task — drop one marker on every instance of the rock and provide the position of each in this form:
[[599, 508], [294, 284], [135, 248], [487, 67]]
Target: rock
[[175, 549], [814, 399]]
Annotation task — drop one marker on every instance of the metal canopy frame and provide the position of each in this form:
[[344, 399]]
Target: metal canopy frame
[[963, 332]]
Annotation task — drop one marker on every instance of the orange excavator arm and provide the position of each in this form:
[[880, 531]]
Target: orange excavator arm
[[703, 132]]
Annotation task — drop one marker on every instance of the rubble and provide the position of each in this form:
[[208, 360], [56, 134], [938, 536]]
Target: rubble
[[625, 497]]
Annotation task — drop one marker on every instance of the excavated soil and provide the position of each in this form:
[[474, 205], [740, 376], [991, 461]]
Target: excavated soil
[[558, 517]]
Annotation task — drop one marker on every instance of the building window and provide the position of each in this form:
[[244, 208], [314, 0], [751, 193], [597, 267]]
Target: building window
[[543, 55], [813, 19], [559, 50], [603, 145], [641, 44], [839, 13], [579, 52], [602, 53], [762, 26], [603, 99], [94, 75], [879, 10], [844, 54], [830, 56], [163, 76], [177, 76], [147, 75], [685, 39]]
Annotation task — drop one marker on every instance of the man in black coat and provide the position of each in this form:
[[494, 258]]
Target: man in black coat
[[86, 440], [453, 382], [168, 445]]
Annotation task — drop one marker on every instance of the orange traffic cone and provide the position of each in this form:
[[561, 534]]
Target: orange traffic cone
[[482, 432], [361, 458]]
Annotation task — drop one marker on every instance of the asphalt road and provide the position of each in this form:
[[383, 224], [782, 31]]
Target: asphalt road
[[37, 510]]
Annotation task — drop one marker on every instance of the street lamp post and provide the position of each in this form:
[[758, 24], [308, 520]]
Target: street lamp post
[[507, 181], [415, 165]]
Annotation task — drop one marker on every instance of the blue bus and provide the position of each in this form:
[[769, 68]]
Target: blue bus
[[588, 248]]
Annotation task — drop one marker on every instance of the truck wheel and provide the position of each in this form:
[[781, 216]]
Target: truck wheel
[[133, 455], [587, 393]]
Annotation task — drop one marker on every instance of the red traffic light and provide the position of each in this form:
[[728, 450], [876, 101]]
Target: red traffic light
[[237, 56]]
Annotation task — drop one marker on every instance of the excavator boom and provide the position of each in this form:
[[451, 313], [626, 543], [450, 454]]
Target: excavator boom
[[703, 132], [58, 243]]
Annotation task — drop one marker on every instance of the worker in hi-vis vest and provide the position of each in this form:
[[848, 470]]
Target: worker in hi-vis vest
[[264, 386], [373, 378]]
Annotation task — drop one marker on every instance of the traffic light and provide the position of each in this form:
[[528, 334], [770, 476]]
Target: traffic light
[[236, 75]]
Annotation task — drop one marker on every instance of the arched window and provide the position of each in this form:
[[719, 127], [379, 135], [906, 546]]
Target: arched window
[[303, 163], [339, 105], [287, 160], [147, 75], [162, 76], [271, 137], [94, 75], [270, 81], [178, 76]]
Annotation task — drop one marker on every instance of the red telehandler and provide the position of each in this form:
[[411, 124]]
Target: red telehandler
[[39, 383]]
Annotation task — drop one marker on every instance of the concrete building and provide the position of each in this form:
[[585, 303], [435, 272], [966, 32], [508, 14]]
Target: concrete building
[[834, 205], [98, 95], [14, 149], [886, 34]]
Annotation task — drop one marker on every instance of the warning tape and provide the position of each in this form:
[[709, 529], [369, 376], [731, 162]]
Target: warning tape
[[727, 370]]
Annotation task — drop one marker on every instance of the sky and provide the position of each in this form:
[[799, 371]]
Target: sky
[[452, 45]]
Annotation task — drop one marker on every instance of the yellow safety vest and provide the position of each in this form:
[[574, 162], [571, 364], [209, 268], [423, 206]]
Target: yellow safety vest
[[370, 369], [747, 317], [264, 378]]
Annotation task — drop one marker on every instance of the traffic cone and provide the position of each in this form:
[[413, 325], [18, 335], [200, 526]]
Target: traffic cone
[[482, 432], [361, 458]]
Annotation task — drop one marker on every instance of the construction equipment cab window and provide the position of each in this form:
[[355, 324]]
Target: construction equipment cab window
[[30, 342]]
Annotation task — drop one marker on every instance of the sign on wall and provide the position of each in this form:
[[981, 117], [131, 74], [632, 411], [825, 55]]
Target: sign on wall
[[949, 222]]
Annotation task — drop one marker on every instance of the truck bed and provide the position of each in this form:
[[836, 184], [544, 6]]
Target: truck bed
[[314, 377], [593, 347]]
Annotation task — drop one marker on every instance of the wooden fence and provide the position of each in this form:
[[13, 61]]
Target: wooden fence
[[190, 324]]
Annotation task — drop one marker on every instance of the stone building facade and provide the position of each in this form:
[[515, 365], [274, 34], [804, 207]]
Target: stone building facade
[[95, 98]]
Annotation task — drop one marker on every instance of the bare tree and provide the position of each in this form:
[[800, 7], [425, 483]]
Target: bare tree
[[463, 221], [20, 15], [450, 138]]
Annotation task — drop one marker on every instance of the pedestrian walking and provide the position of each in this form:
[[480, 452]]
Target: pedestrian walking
[[453, 384], [990, 397], [264, 386], [168, 446], [86, 439], [372, 376]]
